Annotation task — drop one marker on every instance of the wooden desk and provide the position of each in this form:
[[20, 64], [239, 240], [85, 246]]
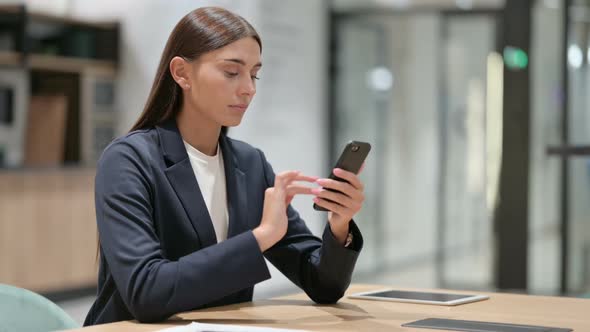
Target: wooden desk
[[298, 312]]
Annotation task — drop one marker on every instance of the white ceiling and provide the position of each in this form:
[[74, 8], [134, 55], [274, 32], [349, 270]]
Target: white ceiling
[[346, 5]]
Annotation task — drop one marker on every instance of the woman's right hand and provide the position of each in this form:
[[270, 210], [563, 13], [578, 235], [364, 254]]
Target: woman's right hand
[[274, 223]]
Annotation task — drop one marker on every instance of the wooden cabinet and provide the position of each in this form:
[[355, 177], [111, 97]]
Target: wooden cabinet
[[47, 229], [47, 221]]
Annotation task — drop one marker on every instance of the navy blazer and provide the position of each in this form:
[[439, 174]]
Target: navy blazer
[[158, 252]]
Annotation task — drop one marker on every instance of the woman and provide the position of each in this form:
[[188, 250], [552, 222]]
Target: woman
[[186, 215]]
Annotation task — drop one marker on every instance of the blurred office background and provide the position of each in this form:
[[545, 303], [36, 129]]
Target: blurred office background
[[478, 112]]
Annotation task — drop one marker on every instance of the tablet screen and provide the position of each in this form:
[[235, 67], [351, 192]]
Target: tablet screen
[[436, 297]]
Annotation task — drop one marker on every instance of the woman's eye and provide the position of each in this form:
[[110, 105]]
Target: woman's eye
[[230, 74], [254, 77]]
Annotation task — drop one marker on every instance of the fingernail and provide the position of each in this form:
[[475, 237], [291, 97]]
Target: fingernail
[[337, 170], [320, 181], [316, 200], [316, 190]]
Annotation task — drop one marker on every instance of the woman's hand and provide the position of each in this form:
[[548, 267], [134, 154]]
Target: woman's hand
[[343, 205], [274, 223]]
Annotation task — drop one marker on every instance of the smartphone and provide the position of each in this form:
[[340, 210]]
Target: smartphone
[[351, 159]]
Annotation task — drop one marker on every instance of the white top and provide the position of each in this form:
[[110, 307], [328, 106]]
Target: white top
[[210, 175]]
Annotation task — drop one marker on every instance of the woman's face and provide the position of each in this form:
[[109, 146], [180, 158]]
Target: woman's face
[[223, 82]]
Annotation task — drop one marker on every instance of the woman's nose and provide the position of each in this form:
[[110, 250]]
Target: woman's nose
[[248, 87]]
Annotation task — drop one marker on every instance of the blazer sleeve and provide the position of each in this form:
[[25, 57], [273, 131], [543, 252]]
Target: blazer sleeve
[[153, 287], [322, 268]]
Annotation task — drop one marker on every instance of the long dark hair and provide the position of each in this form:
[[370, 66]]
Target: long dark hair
[[203, 30], [200, 31]]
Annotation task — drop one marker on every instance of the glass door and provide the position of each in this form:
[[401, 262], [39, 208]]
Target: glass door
[[573, 151], [426, 89], [578, 59], [417, 86]]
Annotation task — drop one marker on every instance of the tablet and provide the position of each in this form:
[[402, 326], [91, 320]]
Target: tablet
[[419, 297]]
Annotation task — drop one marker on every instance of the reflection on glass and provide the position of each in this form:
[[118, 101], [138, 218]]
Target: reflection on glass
[[380, 79], [575, 56], [494, 116]]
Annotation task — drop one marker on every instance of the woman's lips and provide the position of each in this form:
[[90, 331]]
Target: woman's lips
[[239, 107]]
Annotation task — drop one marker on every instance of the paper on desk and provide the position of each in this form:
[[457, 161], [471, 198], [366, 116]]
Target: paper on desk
[[202, 327]]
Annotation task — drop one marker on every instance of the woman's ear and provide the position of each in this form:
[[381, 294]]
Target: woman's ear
[[179, 68]]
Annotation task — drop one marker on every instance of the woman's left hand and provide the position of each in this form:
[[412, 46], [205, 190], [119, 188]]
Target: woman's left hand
[[343, 204]]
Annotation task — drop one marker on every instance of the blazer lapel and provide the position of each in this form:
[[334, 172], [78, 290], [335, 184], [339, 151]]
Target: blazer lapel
[[237, 191], [182, 178]]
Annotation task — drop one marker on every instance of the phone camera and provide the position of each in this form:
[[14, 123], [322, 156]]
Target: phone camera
[[355, 148]]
